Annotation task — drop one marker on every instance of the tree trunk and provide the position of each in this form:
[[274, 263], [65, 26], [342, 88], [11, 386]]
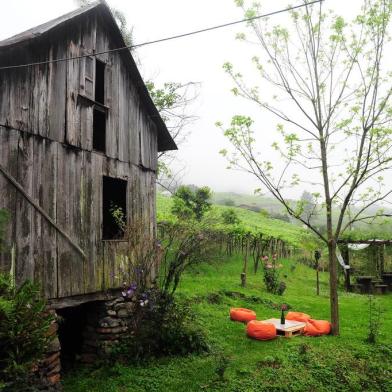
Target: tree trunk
[[333, 270], [333, 286], [245, 269]]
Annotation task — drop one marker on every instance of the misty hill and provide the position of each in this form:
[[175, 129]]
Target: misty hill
[[254, 202], [275, 210]]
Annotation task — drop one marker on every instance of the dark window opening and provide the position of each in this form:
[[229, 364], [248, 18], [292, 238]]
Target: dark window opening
[[114, 205], [99, 130], [99, 81]]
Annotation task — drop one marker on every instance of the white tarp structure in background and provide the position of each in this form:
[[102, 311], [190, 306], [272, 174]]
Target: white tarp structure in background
[[357, 246], [340, 259], [354, 247]]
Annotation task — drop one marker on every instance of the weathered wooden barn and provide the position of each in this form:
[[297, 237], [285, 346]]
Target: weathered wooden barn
[[76, 137]]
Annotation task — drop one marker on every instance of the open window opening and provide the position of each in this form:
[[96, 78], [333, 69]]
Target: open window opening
[[114, 204], [99, 130], [99, 81]]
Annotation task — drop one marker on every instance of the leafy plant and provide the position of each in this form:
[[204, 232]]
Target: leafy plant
[[185, 245], [271, 277], [162, 326], [230, 217], [191, 204], [23, 328], [374, 314]]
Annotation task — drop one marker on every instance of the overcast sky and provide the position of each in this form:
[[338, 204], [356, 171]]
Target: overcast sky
[[197, 59]]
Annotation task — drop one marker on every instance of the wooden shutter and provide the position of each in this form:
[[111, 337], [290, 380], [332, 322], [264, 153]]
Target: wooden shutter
[[87, 77]]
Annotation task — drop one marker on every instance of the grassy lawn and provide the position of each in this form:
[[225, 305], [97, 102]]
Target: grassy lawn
[[236, 363]]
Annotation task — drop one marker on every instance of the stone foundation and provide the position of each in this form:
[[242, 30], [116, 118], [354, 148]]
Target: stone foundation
[[106, 323]]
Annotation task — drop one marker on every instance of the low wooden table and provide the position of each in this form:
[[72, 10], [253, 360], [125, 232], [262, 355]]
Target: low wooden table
[[289, 329]]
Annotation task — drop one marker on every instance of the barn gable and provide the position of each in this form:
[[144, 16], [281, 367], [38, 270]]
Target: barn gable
[[75, 137], [88, 30]]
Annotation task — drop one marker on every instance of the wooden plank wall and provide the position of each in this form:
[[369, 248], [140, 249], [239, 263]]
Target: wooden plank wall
[[46, 144]]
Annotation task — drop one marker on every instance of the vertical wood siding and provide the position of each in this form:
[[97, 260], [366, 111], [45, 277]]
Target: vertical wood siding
[[46, 145]]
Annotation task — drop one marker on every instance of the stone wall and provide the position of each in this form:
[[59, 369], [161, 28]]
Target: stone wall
[[106, 324], [108, 321]]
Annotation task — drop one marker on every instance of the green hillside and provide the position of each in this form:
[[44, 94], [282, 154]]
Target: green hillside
[[380, 228], [237, 199], [250, 221]]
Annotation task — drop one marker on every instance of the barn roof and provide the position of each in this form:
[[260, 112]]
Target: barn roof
[[165, 141]]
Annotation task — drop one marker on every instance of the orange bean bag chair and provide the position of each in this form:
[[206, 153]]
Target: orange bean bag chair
[[260, 330], [298, 316], [317, 328], [243, 315]]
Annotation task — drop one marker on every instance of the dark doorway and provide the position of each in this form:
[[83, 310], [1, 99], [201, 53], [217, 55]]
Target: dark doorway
[[72, 325], [114, 208]]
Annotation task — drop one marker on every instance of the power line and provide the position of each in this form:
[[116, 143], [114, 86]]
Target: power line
[[162, 39]]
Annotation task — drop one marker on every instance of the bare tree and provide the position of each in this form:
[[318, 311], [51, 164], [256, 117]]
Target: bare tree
[[307, 206], [173, 101], [333, 98]]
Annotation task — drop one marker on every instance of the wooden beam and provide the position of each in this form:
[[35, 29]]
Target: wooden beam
[[370, 242], [19, 187], [66, 302]]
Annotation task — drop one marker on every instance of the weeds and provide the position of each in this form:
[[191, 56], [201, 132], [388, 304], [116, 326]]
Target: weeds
[[374, 315]]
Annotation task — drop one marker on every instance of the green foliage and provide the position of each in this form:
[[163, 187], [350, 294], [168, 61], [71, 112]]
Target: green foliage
[[184, 246], [271, 280], [230, 217], [250, 222], [191, 204], [118, 216], [264, 213], [164, 326], [161, 325], [23, 328], [166, 97], [374, 314]]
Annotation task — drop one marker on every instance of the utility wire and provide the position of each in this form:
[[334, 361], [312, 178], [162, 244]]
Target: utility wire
[[162, 39]]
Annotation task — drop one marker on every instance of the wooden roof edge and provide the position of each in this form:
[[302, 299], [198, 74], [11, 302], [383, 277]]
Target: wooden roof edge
[[43, 28]]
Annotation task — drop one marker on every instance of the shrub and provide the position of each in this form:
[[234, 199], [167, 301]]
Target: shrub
[[374, 320], [188, 203], [230, 217], [183, 246], [162, 326], [271, 278], [23, 328]]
